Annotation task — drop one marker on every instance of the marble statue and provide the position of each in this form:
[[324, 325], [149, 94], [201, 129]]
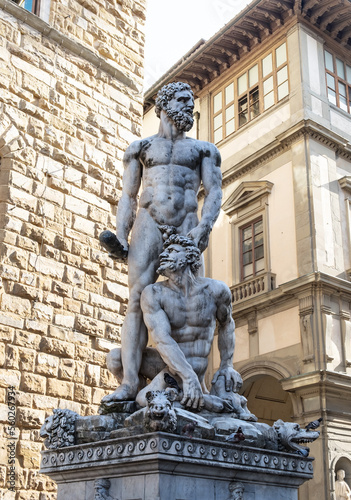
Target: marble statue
[[290, 436], [162, 388], [102, 487], [171, 167], [342, 490], [159, 415], [59, 428], [236, 491], [162, 426], [181, 314]]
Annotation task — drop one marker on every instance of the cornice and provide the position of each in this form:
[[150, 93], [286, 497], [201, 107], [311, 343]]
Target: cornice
[[310, 381], [153, 452], [293, 291], [64, 41], [251, 28], [345, 183], [303, 129], [246, 193]]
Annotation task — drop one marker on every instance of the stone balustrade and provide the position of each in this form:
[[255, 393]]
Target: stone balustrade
[[246, 289]]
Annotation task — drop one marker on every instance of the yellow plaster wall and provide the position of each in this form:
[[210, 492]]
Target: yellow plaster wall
[[279, 330], [282, 231]]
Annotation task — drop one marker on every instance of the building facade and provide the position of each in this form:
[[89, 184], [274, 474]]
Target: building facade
[[70, 102], [273, 92]]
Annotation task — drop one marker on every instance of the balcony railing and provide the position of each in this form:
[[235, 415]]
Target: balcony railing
[[251, 288]]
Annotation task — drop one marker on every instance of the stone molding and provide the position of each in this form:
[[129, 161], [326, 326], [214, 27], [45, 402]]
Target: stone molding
[[64, 41], [282, 144], [311, 382], [246, 193], [345, 183], [293, 290], [262, 367], [305, 128], [137, 451]]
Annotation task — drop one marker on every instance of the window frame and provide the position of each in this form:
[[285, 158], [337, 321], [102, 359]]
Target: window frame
[[337, 80], [36, 5], [253, 248], [248, 203], [217, 136]]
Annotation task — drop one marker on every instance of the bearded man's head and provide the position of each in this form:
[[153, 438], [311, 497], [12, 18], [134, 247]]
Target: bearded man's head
[[183, 120], [191, 255]]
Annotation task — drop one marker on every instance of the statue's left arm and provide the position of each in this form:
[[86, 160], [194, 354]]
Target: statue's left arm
[[211, 177], [226, 342]]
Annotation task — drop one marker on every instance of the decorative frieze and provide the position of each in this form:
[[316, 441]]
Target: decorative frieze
[[178, 449]]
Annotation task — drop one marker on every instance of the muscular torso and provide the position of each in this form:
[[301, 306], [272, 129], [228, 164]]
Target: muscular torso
[[192, 320], [171, 179]]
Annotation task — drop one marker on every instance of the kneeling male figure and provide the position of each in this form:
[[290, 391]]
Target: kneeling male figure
[[180, 314]]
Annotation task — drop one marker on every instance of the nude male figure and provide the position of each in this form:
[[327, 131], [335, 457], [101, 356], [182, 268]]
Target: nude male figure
[[170, 167], [181, 314]]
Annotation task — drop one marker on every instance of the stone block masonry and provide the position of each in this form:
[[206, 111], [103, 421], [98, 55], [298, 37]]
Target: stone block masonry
[[70, 103]]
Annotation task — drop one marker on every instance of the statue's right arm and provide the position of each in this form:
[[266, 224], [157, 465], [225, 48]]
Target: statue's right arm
[[127, 205], [159, 328]]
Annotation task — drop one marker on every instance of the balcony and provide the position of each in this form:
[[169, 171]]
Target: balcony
[[252, 288]]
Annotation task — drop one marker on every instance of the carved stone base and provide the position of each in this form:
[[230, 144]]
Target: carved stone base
[[160, 466]]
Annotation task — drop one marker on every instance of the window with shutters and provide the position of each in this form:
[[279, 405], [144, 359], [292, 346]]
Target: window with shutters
[[244, 98]]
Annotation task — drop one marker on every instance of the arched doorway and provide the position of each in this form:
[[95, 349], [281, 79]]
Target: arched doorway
[[267, 400]]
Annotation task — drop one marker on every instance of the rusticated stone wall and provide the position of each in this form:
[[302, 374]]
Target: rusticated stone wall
[[70, 103]]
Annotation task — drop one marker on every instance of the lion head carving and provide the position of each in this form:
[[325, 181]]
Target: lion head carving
[[59, 429]]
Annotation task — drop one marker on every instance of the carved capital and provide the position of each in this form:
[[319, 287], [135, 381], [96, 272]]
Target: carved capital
[[345, 315], [306, 305], [308, 359]]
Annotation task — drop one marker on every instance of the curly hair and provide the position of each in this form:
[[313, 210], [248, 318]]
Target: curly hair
[[193, 253], [59, 429], [166, 93]]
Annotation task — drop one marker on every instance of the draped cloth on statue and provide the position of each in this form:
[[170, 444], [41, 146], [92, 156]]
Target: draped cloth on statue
[[342, 490]]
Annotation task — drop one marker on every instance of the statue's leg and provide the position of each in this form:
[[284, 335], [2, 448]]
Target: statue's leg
[[114, 363], [157, 384], [151, 364], [143, 259]]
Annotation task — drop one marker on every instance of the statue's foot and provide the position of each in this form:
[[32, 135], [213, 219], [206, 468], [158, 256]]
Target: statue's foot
[[123, 393], [249, 417]]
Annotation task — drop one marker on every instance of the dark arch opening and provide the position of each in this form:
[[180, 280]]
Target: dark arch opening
[[267, 400]]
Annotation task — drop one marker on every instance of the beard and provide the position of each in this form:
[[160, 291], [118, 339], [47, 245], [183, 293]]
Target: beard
[[166, 267], [182, 120]]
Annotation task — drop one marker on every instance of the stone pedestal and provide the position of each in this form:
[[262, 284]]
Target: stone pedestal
[[160, 466]]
